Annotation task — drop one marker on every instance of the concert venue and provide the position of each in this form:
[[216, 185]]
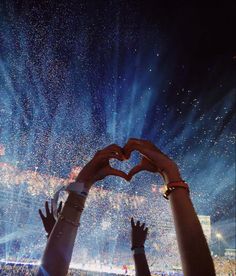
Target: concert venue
[[76, 76]]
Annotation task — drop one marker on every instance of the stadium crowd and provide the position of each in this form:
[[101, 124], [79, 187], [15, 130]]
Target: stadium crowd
[[223, 267]]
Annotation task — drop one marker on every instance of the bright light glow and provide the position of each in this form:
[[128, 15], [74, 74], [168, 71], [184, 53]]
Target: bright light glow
[[219, 236]]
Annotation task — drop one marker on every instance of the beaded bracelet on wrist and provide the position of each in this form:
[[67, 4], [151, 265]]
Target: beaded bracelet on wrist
[[133, 247], [138, 251], [75, 206]]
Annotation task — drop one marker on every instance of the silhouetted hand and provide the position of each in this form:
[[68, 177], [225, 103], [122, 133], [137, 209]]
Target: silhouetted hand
[[99, 167], [153, 160], [138, 234], [49, 220]]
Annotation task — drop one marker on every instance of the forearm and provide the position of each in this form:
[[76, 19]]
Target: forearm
[[194, 251], [141, 265], [58, 252]]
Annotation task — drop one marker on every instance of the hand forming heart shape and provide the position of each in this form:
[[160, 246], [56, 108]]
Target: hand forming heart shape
[[153, 160], [139, 164]]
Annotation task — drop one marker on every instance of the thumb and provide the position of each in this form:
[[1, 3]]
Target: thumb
[[59, 208], [132, 222], [112, 171], [135, 170]]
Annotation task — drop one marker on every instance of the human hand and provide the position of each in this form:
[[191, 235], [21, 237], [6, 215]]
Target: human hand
[[153, 160], [99, 167], [49, 220], [138, 234]]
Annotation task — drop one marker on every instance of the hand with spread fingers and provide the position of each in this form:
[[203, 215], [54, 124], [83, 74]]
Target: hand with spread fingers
[[138, 234], [99, 167], [153, 160], [138, 237], [49, 220]]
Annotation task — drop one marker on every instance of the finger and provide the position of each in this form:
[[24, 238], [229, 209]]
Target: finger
[[114, 149], [111, 171], [132, 223], [138, 140], [51, 206], [143, 225], [47, 209], [135, 170], [138, 223], [111, 155], [133, 144], [59, 208], [115, 154], [148, 165], [41, 214], [143, 146], [146, 230]]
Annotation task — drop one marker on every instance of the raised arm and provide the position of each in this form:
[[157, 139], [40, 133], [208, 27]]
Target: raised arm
[[138, 238], [194, 252], [58, 252]]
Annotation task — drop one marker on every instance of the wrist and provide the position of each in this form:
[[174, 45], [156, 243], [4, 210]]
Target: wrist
[[88, 181], [79, 187], [137, 246], [76, 199], [179, 193], [73, 207], [171, 175], [138, 250], [172, 186]]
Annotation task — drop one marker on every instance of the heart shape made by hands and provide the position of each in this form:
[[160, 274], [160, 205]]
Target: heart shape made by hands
[[126, 165], [130, 166]]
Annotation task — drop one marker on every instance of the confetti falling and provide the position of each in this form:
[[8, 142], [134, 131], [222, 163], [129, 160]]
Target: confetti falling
[[77, 77]]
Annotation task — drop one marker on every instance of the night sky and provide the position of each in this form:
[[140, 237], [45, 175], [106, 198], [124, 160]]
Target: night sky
[[76, 76]]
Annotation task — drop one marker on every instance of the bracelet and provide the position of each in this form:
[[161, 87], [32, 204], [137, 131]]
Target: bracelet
[[139, 250], [61, 217], [134, 247], [78, 188], [76, 199], [75, 206], [172, 186]]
